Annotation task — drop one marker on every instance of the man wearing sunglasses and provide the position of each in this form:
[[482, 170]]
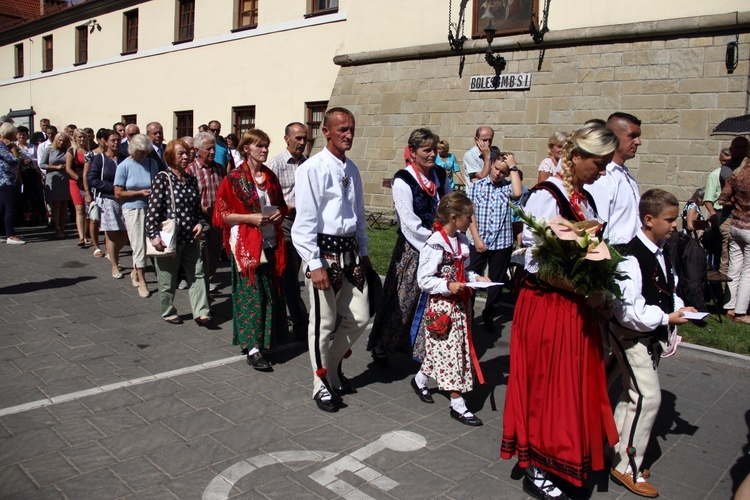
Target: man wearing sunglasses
[[131, 130], [222, 156]]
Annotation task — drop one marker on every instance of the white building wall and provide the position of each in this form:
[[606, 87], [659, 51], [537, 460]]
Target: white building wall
[[277, 67]]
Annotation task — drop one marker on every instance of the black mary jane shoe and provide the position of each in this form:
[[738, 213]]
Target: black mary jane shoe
[[423, 393], [541, 493], [329, 406], [473, 420], [258, 362]]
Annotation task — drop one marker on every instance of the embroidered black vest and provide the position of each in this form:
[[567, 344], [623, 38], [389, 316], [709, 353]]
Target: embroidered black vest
[[656, 289], [424, 206]]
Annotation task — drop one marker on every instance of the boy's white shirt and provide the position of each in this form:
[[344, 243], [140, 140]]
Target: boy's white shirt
[[631, 311]]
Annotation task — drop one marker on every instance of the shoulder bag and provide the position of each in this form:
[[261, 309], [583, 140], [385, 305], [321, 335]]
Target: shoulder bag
[[95, 208], [168, 232]]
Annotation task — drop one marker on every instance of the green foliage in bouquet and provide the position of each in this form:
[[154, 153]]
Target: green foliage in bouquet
[[572, 251]]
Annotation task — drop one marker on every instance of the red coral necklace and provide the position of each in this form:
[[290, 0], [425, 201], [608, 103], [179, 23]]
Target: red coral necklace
[[431, 190]]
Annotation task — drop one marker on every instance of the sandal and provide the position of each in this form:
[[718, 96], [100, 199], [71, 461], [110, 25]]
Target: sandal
[[98, 253], [117, 276], [173, 320]]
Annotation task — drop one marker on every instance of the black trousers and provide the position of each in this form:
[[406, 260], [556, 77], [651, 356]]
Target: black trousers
[[498, 261], [291, 291]]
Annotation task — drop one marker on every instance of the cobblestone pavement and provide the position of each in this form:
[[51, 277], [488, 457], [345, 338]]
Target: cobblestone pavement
[[102, 399]]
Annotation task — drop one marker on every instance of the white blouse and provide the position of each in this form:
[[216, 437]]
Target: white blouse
[[430, 258]]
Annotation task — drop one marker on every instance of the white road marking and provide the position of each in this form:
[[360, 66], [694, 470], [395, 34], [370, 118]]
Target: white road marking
[[397, 441], [33, 405], [119, 385], [221, 486]]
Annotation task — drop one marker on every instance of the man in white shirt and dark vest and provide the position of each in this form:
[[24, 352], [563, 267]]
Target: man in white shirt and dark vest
[[329, 234]]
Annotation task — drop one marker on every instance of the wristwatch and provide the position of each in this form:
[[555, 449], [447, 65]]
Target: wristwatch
[[514, 169]]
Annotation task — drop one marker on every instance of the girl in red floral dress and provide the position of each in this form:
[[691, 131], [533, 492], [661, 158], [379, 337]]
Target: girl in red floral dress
[[446, 318]]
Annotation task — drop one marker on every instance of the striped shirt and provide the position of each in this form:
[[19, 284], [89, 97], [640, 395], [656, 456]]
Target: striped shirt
[[284, 166], [209, 178]]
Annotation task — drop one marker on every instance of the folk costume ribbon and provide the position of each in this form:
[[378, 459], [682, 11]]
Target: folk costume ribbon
[[458, 259]]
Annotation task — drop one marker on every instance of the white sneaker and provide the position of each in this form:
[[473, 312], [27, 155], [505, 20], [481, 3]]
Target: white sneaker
[[182, 285], [14, 240]]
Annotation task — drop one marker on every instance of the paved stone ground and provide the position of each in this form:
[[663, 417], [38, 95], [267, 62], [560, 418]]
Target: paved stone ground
[[67, 326]]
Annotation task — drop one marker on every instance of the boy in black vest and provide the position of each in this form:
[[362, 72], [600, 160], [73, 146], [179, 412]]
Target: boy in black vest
[[639, 331]]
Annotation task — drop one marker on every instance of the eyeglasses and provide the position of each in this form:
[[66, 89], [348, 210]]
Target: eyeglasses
[[131, 135], [215, 130]]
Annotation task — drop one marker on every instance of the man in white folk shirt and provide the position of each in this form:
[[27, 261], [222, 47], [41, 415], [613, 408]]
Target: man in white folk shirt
[[616, 194], [329, 234]]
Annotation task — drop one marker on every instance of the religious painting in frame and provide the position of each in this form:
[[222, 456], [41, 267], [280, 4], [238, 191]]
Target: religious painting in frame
[[508, 17]]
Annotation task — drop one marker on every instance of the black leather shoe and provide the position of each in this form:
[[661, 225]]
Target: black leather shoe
[[379, 360], [424, 393], [329, 405], [488, 323], [258, 362], [346, 387], [473, 420]]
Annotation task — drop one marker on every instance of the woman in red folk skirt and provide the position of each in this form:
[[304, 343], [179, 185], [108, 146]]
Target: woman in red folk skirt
[[557, 413]]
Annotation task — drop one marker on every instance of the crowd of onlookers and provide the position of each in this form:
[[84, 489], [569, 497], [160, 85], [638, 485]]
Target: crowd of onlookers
[[186, 201]]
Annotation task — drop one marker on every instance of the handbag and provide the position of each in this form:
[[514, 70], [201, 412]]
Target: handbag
[[168, 226], [437, 319], [94, 210]]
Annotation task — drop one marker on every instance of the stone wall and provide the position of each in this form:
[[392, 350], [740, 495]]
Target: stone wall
[[679, 88]]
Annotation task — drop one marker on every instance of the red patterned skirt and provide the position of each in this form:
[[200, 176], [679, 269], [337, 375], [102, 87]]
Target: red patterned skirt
[[557, 412]]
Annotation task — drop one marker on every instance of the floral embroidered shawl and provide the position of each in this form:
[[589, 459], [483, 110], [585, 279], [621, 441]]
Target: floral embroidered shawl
[[237, 194]]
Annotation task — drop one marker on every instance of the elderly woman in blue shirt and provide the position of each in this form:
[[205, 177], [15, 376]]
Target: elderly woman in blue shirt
[[9, 163], [132, 189]]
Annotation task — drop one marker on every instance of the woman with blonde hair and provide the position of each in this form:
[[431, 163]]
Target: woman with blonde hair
[[447, 161], [557, 413], [250, 208], [548, 167], [133, 181], [56, 185], [75, 160]]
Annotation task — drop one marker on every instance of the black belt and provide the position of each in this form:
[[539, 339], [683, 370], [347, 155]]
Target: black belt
[[332, 243]]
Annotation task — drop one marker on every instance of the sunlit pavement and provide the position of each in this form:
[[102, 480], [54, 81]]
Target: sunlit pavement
[[100, 398]]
